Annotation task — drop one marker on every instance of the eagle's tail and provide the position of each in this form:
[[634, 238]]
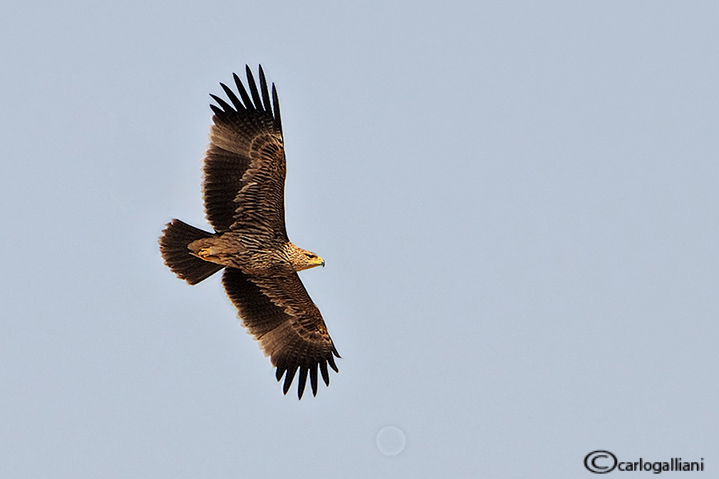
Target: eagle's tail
[[173, 247]]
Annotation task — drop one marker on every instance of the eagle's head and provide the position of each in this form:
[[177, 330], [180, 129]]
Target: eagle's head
[[309, 260], [302, 259]]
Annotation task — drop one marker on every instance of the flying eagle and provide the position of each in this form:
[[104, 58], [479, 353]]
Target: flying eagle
[[243, 189]]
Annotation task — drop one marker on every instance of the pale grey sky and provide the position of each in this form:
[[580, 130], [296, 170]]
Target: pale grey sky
[[517, 204]]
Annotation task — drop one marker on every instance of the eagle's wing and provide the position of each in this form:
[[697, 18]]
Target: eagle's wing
[[280, 314], [244, 167]]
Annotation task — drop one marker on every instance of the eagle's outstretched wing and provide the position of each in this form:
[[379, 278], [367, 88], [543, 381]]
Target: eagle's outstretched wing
[[280, 314], [244, 166]]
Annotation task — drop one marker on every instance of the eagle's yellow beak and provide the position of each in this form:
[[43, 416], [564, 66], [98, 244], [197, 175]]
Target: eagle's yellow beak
[[316, 261]]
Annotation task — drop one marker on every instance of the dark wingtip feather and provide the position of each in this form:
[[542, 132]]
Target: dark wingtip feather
[[253, 89], [325, 373], [223, 104], [288, 379], [265, 92], [313, 378], [302, 381], [216, 110], [243, 92], [276, 105], [331, 360], [233, 98]]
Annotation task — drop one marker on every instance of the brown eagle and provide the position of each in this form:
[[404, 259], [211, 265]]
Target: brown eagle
[[243, 189]]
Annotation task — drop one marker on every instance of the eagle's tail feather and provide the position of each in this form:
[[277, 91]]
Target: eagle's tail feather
[[173, 247]]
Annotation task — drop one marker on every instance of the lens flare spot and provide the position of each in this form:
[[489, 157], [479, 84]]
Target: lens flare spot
[[391, 441]]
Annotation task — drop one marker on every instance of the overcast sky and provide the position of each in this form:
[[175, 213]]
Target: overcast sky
[[517, 203]]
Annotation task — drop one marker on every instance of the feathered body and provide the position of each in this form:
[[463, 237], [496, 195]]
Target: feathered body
[[243, 190]]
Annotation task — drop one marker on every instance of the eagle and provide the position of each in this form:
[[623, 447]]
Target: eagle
[[244, 173]]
